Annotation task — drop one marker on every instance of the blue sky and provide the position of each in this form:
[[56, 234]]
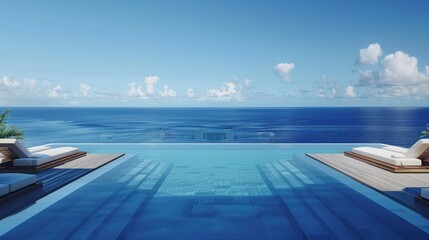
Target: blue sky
[[214, 53]]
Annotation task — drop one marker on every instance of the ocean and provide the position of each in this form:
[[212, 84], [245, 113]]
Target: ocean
[[397, 126]]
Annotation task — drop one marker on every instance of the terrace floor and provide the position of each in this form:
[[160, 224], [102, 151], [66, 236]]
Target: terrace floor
[[401, 187]]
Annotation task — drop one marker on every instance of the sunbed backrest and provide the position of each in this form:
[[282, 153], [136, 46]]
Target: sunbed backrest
[[418, 148], [13, 148]]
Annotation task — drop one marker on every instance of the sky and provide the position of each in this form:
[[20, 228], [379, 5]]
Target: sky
[[223, 53]]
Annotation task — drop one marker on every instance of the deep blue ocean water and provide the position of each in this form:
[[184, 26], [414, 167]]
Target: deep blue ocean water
[[398, 126]]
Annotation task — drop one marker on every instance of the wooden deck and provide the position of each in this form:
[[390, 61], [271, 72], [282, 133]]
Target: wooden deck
[[56, 177], [401, 187]]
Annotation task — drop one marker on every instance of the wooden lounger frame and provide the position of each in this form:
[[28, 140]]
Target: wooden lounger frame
[[8, 167], [20, 192], [387, 166]]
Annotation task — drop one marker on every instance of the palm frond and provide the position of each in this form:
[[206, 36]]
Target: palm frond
[[11, 132], [4, 116]]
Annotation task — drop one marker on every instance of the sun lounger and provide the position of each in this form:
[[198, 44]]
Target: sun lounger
[[16, 181], [418, 150], [31, 150], [45, 156], [41, 156], [15, 184], [390, 157], [395, 159]]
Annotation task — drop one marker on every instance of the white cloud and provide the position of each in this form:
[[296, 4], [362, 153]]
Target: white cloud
[[84, 88], [136, 91], [350, 92], [227, 91], [190, 93], [55, 92], [370, 54], [168, 92], [150, 82], [320, 93], [398, 76], [334, 91], [401, 69], [284, 69], [8, 82]]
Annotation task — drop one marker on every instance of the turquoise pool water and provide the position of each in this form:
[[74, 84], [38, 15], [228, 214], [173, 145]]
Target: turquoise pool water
[[215, 191]]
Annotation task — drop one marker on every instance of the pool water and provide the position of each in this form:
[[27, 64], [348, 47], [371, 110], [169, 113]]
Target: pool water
[[217, 191]]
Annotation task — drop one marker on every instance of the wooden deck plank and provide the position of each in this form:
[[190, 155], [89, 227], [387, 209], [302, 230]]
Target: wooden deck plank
[[401, 187], [55, 178]]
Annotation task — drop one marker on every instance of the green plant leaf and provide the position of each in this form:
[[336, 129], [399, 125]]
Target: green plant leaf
[[4, 116], [8, 131], [12, 132]]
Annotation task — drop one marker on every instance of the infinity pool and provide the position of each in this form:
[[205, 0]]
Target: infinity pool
[[215, 191]]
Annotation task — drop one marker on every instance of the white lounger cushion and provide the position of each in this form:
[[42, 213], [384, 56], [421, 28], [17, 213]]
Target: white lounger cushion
[[386, 156], [45, 156], [425, 193], [396, 149], [17, 181], [4, 189], [38, 148]]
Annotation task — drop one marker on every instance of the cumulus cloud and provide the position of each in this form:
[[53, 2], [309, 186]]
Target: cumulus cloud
[[400, 68], [284, 69], [54, 92], [84, 88], [135, 90], [168, 92], [150, 82], [8, 82], [326, 89], [190, 93], [350, 92], [20, 89], [334, 91], [398, 76], [227, 91], [320, 93], [370, 54]]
